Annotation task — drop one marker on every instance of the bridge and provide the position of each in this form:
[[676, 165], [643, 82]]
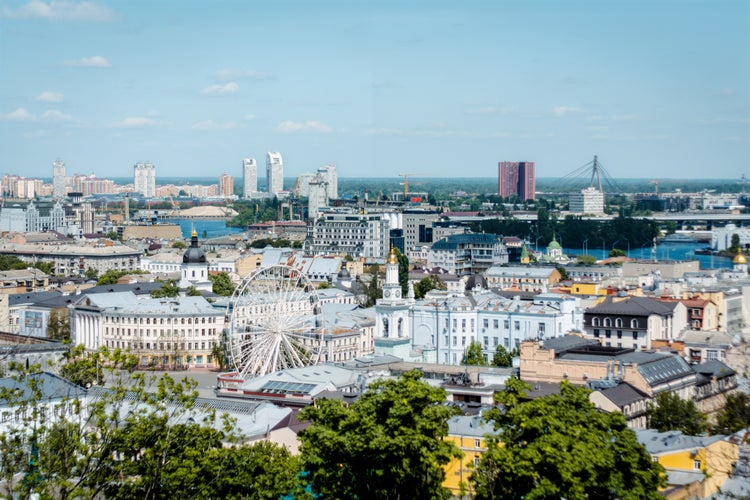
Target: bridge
[[708, 219]]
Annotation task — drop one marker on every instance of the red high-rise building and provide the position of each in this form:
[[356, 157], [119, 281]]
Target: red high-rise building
[[516, 178]]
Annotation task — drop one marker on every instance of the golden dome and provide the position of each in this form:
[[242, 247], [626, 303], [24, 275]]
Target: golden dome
[[739, 258], [392, 259]]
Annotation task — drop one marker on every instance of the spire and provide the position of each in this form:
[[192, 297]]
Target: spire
[[392, 259]]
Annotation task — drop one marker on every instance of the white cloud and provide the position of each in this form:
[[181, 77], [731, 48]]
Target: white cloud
[[229, 75], [221, 89], [90, 62], [565, 110], [212, 125], [308, 126], [19, 115], [55, 115], [48, 96], [60, 10], [134, 122]]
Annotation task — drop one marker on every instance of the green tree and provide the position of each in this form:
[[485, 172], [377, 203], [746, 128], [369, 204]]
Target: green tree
[[616, 252], [179, 245], [219, 354], [473, 355], [671, 413], [563, 272], [502, 357], [735, 415], [562, 446], [735, 242], [222, 284], [387, 445], [45, 267], [586, 259], [168, 289], [112, 235], [192, 292], [91, 273], [85, 368], [403, 272], [374, 292], [113, 275], [431, 282]]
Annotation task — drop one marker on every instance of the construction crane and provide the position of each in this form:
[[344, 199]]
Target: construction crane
[[406, 184], [655, 182]]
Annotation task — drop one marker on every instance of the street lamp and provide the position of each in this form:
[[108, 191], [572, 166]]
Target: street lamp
[[585, 245], [604, 248]]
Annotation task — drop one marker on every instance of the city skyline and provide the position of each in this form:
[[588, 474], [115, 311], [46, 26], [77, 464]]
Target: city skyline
[[655, 89]]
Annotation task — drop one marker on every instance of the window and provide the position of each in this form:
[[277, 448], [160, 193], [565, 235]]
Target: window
[[495, 324], [455, 340], [486, 341], [476, 461], [463, 341], [486, 323], [608, 333], [506, 324], [596, 332], [477, 443], [633, 323], [654, 458], [494, 341], [517, 325], [619, 334], [595, 322], [618, 322], [541, 328], [697, 464], [607, 322], [635, 335]]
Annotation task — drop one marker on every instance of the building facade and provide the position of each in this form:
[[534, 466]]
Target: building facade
[[58, 179], [516, 178], [144, 179], [328, 173], [359, 235], [418, 228], [588, 201], [274, 172], [226, 185], [249, 177], [467, 254]]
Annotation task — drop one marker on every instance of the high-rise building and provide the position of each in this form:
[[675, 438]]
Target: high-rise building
[[226, 185], [144, 179], [274, 173], [516, 178], [588, 201], [58, 179], [249, 177], [328, 173]]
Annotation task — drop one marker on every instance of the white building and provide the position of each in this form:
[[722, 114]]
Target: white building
[[173, 331], [467, 254], [317, 197], [144, 179], [58, 179], [721, 237], [249, 177], [302, 188], [274, 172], [359, 235], [589, 201], [329, 175]]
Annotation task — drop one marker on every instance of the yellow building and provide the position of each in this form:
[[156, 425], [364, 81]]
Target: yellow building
[[468, 432], [696, 466]]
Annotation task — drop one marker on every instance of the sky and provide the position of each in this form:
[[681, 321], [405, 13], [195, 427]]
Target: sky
[[657, 89]]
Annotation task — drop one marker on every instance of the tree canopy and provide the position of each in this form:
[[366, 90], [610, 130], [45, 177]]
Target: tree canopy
[[735, 415], [430, 282], [473, 355], [222, 284], [562, 446], [388, 444], [168, 289], [502, 357], [671, 413]]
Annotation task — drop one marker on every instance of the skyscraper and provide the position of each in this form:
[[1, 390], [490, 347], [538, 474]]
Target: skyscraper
[[249, 177], [274, 172], [226, 185], [328, 173], [516, 178], [58, 179], [144, 179]]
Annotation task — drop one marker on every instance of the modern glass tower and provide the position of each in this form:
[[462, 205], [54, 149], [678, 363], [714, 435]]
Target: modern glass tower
[[249, 177], [274, 172]]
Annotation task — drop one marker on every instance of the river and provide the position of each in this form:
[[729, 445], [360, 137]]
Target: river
[[664, 251], [213, 228]]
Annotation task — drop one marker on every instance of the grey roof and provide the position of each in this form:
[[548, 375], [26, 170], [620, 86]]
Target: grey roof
[[51, 387], [15, 299], [452, 241], [568, 342], [129, 303], [714, 368], [623, 394], [137, 288], [658, 443], [634, 306], [474, 425]]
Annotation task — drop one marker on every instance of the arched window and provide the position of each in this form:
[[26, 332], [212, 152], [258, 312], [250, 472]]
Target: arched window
[[596, 322], [618, 322], [633, 323], [607, 322]]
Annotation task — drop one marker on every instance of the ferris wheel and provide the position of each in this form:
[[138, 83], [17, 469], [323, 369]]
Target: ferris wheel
[[275, 322]]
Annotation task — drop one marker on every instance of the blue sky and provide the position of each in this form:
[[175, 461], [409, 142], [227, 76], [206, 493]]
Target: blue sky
[[656, 89]]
